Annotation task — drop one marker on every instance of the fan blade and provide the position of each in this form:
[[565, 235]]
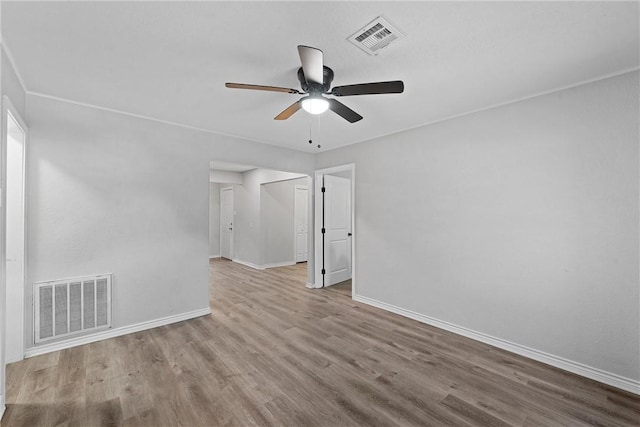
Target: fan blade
[[343, 111], [395, 86], [258, 87], [289, 111], [311, 60]]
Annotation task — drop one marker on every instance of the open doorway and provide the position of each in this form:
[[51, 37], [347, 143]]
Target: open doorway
[[334, 228], [260, 217], [16, 141]]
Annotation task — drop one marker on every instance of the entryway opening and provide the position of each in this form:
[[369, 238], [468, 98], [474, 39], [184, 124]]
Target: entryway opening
[[260, 217], [334, 228]]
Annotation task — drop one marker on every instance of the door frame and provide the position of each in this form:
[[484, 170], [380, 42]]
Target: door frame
[[317, 222], [9, 109], [295, 213], [232, 219]]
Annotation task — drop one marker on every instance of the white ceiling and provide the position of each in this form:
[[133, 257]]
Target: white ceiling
[[170, 60]]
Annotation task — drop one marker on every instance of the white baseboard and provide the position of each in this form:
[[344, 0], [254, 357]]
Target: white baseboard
[[112, 333], [263, 266], [214, 256], [278, 264], [248, 264], [596, 374], [312, 286]]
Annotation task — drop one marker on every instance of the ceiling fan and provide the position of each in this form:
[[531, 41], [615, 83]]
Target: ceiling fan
[[315, 81]]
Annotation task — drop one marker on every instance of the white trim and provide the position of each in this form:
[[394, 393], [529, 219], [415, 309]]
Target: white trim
[[248, 264], [8, 109], [214, 256], [596, 374], [117, 332], [12, 61], [263, 266], [278, 264], [317, 225]]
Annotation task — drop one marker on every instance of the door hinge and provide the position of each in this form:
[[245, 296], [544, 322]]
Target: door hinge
[[324, 271], [323, 189], [323, 230]]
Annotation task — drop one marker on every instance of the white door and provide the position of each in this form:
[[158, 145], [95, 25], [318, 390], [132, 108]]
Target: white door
[[301, 222], [337, 225], [226, 223], [15, 231]]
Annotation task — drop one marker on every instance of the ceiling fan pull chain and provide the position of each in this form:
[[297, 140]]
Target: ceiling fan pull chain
[[311, 127], [317, 127]]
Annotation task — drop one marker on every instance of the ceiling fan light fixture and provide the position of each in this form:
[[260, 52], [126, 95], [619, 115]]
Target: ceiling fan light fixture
[[315, 104]]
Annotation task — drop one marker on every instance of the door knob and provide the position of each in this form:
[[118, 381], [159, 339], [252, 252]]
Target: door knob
[[349, 234]]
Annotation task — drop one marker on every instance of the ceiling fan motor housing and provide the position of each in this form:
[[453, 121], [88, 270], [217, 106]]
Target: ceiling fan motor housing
[[312, 88]]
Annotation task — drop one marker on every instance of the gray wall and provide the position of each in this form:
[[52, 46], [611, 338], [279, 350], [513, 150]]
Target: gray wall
[[248, 235], [214, 219], [111, 193], [277, 205], [520, 222]]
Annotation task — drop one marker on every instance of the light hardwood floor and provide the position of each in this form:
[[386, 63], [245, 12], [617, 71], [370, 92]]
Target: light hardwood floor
[[274, 353]]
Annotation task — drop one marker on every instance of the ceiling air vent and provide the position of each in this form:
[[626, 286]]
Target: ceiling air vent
[[375, 35]]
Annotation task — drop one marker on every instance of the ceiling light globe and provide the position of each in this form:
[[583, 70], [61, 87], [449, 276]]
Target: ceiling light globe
[[315, 105]]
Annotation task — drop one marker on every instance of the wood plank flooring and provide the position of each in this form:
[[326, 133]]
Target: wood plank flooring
[[275, 353], [342, 287]]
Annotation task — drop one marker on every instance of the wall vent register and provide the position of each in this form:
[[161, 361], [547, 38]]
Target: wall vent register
[[68, 307]]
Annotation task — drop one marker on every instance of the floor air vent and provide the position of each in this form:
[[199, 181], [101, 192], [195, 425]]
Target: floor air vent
[[375, 35], [68, 307]]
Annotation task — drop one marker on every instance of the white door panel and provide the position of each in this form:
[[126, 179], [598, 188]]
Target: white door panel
[[337, 224], [226, 223], [338, 256]]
